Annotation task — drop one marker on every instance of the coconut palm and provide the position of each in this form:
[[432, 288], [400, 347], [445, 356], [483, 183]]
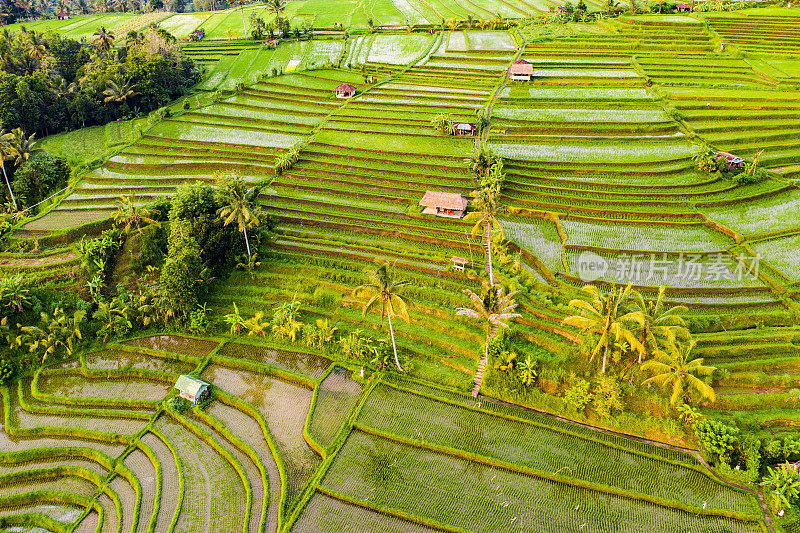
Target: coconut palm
[[485, 216], [240, 206], [103, 39], [384, 290], [119, 90], [675, 369], [604, 317], [494, 308], [24, 147], [7, 151], [659, 322], [131, 216], [277, 7], [37, 46]]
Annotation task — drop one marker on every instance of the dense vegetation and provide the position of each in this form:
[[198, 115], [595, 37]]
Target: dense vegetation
[[49, 83], [343, 328]]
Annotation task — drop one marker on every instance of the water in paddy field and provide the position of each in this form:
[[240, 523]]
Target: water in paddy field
[[175, 344], [313, 366], [76, 386], [119, 359]]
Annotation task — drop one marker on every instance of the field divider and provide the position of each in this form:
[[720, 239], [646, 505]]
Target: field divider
[[225, 454], [39, 496], [247, 450], [562, 431], [314, 483], [391, 512], [181, 477], [312, 442], [555, 478], [233, 401]]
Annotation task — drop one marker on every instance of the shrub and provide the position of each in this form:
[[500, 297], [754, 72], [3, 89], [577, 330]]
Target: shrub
[[40, 175], [578, 395], [6, 371], [606, 396], [716, 437], [178, 404]]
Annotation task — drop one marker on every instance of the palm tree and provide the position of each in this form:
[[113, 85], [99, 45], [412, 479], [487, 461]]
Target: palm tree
[[119, 90], [675, 368], [785, 485], [276, 7], [604, 317], [129, 215], [7, 151], [384, 290], [495, 309], [37, 46], [24, 147], [487, 210], [104, 39], [658, 321], [241, 205]]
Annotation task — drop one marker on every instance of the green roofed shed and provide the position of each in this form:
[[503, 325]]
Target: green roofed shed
[[193, 389]]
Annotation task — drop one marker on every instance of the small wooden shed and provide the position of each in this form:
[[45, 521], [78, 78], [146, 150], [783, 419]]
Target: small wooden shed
[[345, 90], [683, 7], [464, 128], [63, 16], [732, 162], [444, 204], [521, 70], [459, 263], [193, 389]]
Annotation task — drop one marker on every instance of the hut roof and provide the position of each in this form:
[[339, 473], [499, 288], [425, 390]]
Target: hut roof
[[731, 158], [464, 126], [520, 66], [345, 88], [190, 385], [683, 5], [444, 200]]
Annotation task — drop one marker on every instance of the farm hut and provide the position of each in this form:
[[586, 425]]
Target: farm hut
[[684, 7], [197, 35], [444, 204], [345, 90], [63, 16], [521, 70], [459, 263], [464, 128], [193, 389], [733, 162]]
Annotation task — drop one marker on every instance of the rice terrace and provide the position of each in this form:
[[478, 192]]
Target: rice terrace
[[460, 266]]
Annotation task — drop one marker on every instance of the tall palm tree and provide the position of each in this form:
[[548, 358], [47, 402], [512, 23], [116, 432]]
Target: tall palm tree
[[676, 369], [240, 206], [277, 7], [131, 216], [384, 290], [103, 39], [494, 308], [604, 317], [659, 322], [24, 146], [119, 90], [37, 46], [485, 216], [7, 151]]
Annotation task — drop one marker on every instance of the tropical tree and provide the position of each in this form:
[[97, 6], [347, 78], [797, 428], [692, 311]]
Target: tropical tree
[[675, 369], [784, 483], [659, 322], [384, 290], [604, 317], [103, 39], [37, 46], [119, 90], [24, 147], [14, 294], [285, 323], [7, 151], [526, 370], [240, 205], [277, 7], [494, 308], [131, 216], [487, 210]]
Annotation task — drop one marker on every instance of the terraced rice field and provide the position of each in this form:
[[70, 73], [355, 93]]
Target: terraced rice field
[[88, 446]]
